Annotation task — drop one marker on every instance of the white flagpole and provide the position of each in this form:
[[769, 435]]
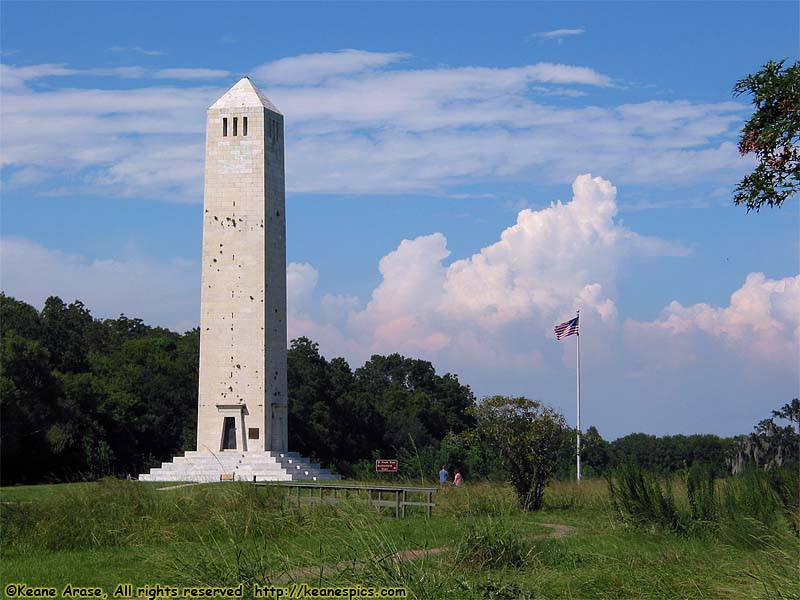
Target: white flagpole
[[578, 355]]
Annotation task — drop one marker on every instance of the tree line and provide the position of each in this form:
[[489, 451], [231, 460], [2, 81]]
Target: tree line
[[82, 398]]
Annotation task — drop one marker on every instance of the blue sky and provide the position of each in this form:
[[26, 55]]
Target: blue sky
[[426, 144]]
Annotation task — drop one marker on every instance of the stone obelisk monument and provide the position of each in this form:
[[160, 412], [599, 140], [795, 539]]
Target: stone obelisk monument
[[242, 405], [242, 396]]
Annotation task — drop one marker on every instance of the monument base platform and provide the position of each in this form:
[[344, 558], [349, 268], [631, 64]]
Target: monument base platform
[[235, 465]]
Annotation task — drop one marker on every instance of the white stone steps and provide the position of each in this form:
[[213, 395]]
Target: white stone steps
[[264, 466]]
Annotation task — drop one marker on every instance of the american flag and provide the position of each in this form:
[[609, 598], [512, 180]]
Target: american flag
[[566, 328]]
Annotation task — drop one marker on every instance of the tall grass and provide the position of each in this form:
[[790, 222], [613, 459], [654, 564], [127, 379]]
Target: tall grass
[[589, 494], [477, 500], [376, 558], [701, 494], [227, 556], [367, 551], [492, 543], [755, 507], [777, 574], [231, 533], [747, 510], [113, 513], [642, 498]]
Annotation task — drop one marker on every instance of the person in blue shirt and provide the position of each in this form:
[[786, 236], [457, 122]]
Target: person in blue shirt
[[443, 474]]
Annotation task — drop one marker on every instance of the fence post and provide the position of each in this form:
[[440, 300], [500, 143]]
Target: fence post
[[397, 504], [404, 504]]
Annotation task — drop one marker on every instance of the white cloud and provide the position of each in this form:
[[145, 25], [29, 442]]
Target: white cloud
[[489, 316], [160, 293], [165, 293], [132, 72], [141, 142], [550, 262], [548, 258], [136, 50], [16, 77], [27, 176], [191, 74], [761, 323], [301, 279], [313, 68], [355, 127], [558, 34]]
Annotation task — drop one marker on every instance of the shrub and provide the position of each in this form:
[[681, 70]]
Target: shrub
[[528, 436]]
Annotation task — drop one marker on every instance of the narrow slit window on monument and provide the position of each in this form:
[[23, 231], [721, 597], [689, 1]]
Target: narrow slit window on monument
[[244, 125], [224, 127], [235, 125]]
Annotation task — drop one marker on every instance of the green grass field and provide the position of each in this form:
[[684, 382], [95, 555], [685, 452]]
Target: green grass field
[[480, 545]]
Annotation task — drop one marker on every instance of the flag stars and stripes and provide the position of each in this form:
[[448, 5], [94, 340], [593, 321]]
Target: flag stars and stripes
[[566, 328]]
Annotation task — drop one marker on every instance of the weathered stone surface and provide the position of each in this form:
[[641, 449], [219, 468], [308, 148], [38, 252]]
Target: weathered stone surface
[[243, 301], [242, 406]]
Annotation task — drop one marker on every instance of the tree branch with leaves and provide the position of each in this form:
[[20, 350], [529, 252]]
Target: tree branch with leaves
[[772, 134]]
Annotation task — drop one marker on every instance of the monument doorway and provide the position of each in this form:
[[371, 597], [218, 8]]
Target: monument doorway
[[232, 432], [229, 433]]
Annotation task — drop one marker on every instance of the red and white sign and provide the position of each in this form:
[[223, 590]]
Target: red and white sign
[[386, 465]]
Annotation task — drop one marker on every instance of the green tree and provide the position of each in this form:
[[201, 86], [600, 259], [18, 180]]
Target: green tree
[[19, 317], [413, 401], [311, 401], [594, 451], [28, 393], [148, 407], [475, 457], [772, 134], [771, 444], [528, 436], [790, 412], [65, 331], [75, 433], [636, 448]]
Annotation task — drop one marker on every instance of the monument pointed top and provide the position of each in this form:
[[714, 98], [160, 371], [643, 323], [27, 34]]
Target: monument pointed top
[[244, 93]]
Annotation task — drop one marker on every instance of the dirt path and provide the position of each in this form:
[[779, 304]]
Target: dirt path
[[557, 532], [309, 572], [175, 487]]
